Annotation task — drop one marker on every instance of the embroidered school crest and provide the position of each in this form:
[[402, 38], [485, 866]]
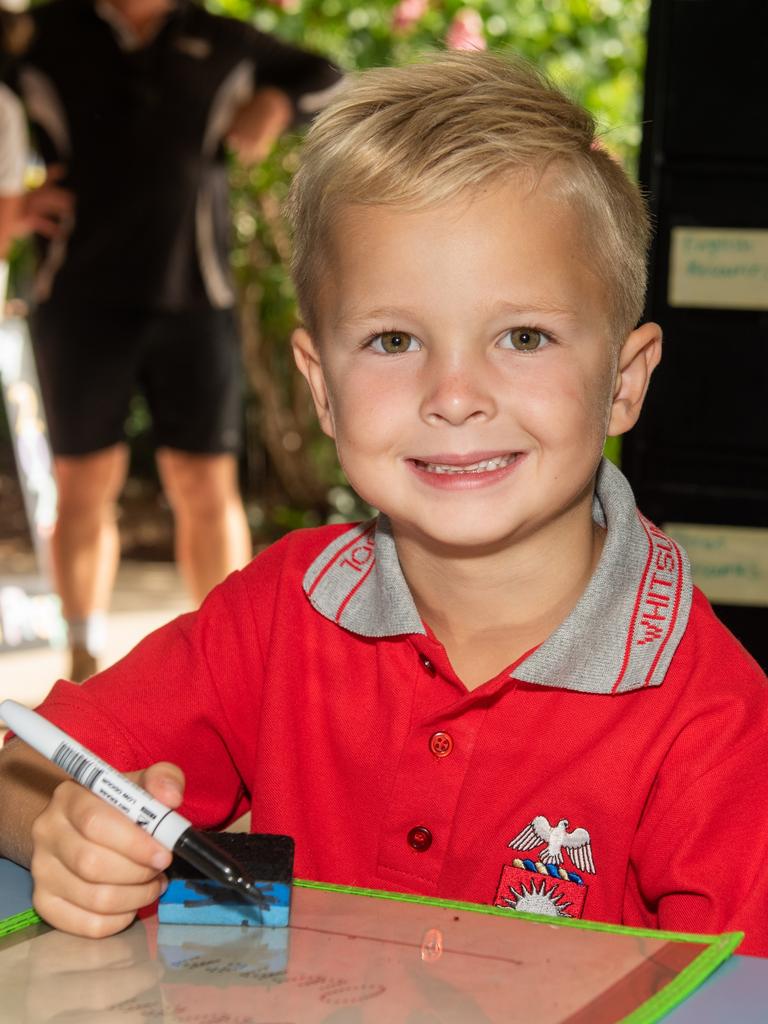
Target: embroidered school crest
[[546, 886]]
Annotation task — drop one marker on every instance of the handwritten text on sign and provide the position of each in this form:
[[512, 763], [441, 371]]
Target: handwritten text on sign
[[729, 563], [719, 268]]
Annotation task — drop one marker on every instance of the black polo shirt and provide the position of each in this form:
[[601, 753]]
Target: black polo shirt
[[140, 130]]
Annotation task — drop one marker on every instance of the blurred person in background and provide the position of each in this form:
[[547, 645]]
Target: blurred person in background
[[13, 141], [42, 209], [139, 100]]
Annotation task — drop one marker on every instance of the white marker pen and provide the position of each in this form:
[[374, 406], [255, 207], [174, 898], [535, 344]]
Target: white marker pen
[[168, 827]]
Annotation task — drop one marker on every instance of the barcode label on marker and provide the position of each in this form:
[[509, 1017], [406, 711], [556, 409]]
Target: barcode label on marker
[[122, 793], [81, 768]]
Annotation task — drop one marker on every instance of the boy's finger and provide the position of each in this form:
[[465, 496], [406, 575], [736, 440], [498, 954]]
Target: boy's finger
[[164, 781], [68, 917], [94, 863], [103, 899], [107, 827]]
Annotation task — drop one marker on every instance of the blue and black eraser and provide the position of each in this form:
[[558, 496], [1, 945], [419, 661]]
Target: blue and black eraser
[[192, 898]]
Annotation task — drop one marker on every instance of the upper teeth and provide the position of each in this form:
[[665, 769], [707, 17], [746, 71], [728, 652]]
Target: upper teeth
[[476, 467]]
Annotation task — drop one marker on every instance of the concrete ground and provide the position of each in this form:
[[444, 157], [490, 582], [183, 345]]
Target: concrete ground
[[147, 595]]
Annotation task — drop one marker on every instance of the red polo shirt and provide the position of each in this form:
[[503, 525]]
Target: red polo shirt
[[615, 773]]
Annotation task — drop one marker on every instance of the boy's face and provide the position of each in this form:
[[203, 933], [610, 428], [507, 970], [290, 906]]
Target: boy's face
[[464, 367]]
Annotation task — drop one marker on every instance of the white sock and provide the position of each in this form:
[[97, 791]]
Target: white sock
[[90, 633]]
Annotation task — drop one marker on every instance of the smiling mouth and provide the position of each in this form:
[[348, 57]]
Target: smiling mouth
[[482, 466]]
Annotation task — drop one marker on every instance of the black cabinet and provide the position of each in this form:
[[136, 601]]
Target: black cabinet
[[699, 455]]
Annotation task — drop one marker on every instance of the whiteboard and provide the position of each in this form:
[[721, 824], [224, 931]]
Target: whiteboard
[[352, 958]]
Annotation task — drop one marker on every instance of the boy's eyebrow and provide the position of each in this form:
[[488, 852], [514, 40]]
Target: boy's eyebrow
[[533, 306], [354, 316], [513, 309]]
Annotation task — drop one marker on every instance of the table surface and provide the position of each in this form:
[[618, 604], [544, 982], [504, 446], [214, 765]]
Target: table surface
[[739, 986]]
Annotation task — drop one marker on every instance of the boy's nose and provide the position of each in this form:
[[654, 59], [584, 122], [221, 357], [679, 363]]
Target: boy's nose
[[457, 396]]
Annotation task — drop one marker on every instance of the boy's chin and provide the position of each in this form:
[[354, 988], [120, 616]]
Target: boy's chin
[[456, 538]]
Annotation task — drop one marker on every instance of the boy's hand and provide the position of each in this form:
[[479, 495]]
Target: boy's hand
[[92, 867]]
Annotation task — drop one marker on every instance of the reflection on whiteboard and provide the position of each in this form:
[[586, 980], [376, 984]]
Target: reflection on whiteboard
[[729, 563], [718, 268], [349, 958]]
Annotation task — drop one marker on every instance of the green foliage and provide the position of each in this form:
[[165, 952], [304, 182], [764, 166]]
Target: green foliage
[[593, 48]]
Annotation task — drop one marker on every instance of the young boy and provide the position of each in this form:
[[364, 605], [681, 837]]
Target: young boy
[[504, 689]]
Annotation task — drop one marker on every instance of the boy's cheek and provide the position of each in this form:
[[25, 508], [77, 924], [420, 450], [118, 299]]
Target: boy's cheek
[[365, 404]]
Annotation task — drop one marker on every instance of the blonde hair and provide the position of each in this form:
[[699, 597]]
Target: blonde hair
[[415, 136]]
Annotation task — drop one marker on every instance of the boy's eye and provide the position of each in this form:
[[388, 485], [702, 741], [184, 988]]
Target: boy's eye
[[524, 339], [395, 341]]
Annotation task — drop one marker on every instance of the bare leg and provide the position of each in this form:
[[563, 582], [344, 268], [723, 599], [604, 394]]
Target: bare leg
[[85, 546], [212, 536]]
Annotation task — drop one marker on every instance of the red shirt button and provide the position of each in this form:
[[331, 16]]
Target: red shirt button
[[441, 744], [427, 664], [420, 838]]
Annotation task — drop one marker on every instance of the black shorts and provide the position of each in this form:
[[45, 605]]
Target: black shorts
[[92, 362]]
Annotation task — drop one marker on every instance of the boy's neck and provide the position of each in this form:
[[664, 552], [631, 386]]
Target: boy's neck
[[489, 609]]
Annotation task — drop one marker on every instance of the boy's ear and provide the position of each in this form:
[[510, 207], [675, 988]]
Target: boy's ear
[[639, 357], [308, 361]]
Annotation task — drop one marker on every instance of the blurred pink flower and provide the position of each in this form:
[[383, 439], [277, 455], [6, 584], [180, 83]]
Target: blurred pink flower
[[289, 6], [466, 31], [407, 13]]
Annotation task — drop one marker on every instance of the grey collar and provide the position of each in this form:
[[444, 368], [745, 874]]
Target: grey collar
[[620, 636]]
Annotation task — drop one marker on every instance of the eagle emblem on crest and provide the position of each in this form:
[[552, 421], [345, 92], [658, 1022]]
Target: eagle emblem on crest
[[556, 838]]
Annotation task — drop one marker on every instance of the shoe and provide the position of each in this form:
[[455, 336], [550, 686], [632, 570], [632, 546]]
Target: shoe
[[82, 665]]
